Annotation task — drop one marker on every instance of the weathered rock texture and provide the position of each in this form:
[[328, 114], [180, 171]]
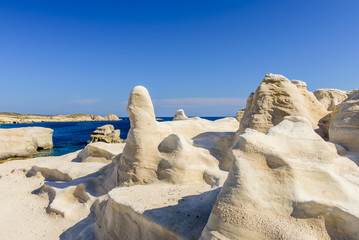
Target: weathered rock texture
[[180, 115], [24, 142], [330, 98], [287, 184], [106, 133], [277, 97], [344, 126]]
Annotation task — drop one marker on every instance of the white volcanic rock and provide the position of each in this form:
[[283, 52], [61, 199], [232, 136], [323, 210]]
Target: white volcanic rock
[[24, 142], [180, 115], [111, 117], [287, 184], [344, 126], [107, 134], [277, 97], [330, 98]]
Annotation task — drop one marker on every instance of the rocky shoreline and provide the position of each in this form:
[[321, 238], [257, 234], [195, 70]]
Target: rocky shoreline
[[287, 167], [10, 118]]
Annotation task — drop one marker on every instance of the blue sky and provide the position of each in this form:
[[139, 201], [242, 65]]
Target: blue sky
[[203, 56]]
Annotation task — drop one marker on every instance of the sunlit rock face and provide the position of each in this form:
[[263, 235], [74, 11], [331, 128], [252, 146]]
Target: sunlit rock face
[[277, 97], [287, 184]]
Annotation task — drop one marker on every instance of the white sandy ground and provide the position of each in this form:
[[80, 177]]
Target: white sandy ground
[[23, 214]]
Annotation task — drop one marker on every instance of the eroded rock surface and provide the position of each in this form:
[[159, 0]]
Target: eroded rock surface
[[287, 184]]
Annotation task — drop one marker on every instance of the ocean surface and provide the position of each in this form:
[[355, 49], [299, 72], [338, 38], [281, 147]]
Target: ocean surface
[[72, 136]]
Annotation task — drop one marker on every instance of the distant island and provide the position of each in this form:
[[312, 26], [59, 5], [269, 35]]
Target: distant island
[[9, 118]]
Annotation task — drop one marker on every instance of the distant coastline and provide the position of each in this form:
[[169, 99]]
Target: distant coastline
[[15, 118]]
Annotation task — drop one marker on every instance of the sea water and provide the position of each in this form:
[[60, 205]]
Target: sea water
[[72, 136]]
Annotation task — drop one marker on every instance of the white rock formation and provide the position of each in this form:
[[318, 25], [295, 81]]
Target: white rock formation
[[24, 142], [164, 150], [180, 115], [287, 184], [344, 127], [277, 97], [106, 133]]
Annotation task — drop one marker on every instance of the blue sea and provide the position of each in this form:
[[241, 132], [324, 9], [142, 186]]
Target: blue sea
[[72, 136]]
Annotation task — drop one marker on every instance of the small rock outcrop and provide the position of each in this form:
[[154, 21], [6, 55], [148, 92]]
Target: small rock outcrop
[[106, 133], [287, 184], [180, 115], [111, 117], [24, 142], [277, 97], [330, 98], [344, 126]]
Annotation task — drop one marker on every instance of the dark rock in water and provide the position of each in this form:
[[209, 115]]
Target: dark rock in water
[[106, 133]]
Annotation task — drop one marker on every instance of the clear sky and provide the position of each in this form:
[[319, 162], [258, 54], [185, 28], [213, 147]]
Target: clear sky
[[203, 56]]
